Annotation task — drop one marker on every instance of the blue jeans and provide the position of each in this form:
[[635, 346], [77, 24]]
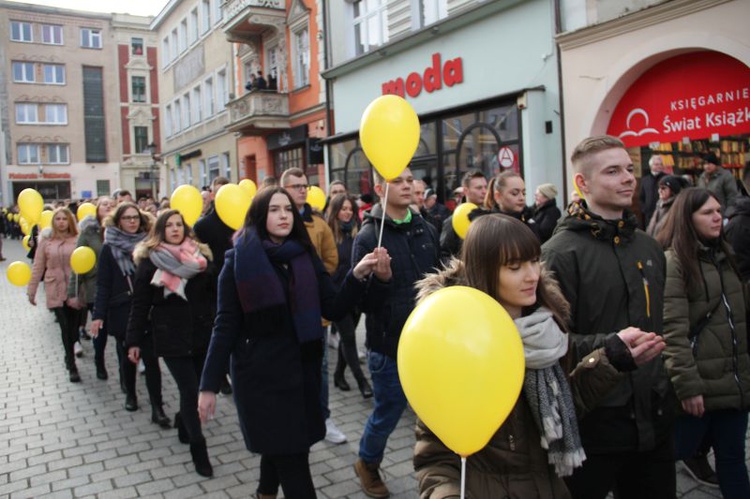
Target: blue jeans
[[324, 378], [726, 430], [390, 403]]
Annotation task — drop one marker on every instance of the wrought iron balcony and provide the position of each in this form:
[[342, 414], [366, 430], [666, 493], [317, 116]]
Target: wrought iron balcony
[[258, 112], [246, 19]]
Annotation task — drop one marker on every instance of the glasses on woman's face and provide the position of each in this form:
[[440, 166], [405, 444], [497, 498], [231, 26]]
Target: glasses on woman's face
[[130, 218]]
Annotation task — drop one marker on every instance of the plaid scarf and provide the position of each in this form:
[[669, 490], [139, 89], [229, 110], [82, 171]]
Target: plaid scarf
[[122, 245], [175, 264], [259, 287], [547, 390]]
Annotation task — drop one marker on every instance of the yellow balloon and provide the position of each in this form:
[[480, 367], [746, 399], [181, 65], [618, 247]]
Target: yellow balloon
[[316, 198], [232, 203], [16, 217], [46, 219], [188, 201], [82, 259], [389, 134], [19, 273], [10, 216], [85, 209], [24, 226], [460, 219], [461, 364], [25, 242], [249, 187], [30, 204]]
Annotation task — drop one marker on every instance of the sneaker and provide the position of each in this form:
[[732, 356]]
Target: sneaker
[[698, 468], [333, 341], [78, 349], [369, 479], [333, 434]]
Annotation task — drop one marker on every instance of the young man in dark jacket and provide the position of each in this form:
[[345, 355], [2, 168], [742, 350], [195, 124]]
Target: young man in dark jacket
[[413, 247], [613, 275]]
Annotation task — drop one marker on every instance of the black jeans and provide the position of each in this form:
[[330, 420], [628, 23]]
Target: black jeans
[[186, 372], [292, 471], [348, 354], [100, 342], [129, 370], [630, 475], [68, 318]]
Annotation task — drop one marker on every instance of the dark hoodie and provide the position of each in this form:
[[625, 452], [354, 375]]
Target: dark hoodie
[[738, 234]]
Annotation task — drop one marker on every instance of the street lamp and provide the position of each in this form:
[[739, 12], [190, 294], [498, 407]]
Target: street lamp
[[151, 149]]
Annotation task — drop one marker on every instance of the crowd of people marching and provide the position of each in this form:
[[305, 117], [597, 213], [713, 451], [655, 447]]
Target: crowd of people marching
[[638, 325]]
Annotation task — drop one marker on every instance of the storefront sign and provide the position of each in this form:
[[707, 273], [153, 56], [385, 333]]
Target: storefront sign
[[35, 176], [506, 158], [288, 138], [689, 96], [451, 73]]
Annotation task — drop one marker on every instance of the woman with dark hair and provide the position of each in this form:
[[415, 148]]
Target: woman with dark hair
[[52, 262], [273, 290], [175, 296], [539, 442], [343, 224], [124, 229], [83, 287], [706, 334], [669, 187]]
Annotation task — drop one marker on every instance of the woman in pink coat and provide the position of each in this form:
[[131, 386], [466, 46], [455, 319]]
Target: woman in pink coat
[[52, 261]]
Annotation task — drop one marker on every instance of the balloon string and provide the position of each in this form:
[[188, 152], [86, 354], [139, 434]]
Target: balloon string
[[383, 203], [463, 477]]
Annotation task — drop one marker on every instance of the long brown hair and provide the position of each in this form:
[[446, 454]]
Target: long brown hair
[[337, 204], [496, 240]]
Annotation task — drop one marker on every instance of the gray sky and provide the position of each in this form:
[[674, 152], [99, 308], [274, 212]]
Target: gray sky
[[137, 7]]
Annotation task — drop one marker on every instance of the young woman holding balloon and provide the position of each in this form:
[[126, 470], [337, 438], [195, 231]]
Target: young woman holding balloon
[[52, 260], [538, 443], [273, 290]]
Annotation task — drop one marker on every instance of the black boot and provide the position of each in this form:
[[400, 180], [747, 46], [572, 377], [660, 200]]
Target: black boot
[[74, 376], [131, 403], [339, 381], [158, 417], [101, 372], [364, 388], [182, 433], [200, 459]]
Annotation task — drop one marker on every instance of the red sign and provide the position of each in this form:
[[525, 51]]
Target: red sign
[[691, 95], [450, 73], [34, 176], [505, 157]]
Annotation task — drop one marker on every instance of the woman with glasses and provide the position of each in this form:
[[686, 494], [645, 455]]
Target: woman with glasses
[[125, 228]]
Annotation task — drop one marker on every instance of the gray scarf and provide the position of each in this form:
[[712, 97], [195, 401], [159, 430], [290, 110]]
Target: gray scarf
[[547, 390], [122, 245]]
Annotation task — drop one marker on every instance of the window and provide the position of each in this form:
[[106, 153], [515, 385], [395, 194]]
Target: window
[[225, 168], [216, 4], [175, 45], [91, 38], [165, 53], [205, 15], [182, 35], [432, 11], [138, 85], [289, 158], [193, 33], [221, 89], [186, 111], [57, 154], [94, 127], [177, 116], [302, 57], [21, 32], [102, 188], [168, 120], [28, 154], [136, 46], [213, 168], [197, 104], [56, 114], [27, 113], [370, 25], [209, 95], [203, 171], [189, 174], [23, 72], [140, 134], [52, 34], [54, 74]]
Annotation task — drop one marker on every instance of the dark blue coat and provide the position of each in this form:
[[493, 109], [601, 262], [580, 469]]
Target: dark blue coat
[[113, 294]]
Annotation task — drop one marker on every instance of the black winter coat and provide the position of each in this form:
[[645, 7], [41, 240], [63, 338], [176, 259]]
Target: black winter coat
[[179, 328], [649, 195], [211, 230], [113, 294], [613, 275], [546, 217], [414, 251], [276, 379], [738, 235]]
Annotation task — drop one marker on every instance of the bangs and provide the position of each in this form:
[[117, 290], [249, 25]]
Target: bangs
[[519, 245]]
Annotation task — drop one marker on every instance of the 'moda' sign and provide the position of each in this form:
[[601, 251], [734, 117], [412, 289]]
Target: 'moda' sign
[[433, 78]]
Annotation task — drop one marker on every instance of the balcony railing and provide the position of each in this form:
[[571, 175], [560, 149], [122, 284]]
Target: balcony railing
[[258, 112]]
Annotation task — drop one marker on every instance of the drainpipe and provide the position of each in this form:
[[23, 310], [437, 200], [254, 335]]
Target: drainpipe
[[558, 30], [329, 87]]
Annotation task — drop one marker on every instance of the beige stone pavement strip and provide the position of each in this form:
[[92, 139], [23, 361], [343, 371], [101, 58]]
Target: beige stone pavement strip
[[59, 439]]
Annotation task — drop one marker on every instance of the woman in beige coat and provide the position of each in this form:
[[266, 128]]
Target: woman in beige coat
[[52, 261]]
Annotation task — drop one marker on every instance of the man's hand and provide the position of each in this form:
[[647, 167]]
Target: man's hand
[[96, 325], [643, 346], [206, 406]]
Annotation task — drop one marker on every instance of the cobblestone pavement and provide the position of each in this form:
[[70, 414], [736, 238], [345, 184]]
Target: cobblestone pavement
[[60, 439]]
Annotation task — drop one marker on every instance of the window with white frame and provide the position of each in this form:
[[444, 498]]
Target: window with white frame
[[52, 34], [370, 25], [216, 14], [28, 154], [136, 46], [221, 89], [23, 72], [27, 113], [138, 88], [177, 116], [182, 35], [57, 154], [197, 104], [56, 114], [21, 32], [208, 94], [301, 57], [180, 175], [140, 139], [189, 174], [54, 74], [203, 171], [168, 120], [165, 53], [205, 15], [91, 38], [186, 111], [213, 168], [225, 166], [193, 34], [174, 44]]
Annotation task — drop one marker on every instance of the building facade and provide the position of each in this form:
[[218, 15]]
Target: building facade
[[482, 76], [62, 134], [667, 77]]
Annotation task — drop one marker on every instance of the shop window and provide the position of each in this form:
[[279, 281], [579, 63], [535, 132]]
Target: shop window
[[57, 154], [370, 25], [290, 158], [28, 154], [54, 74], [138, 88], [52, 34], [140, 135], [136, 46], [91, 38], [21, 32], [23, 72], [302, 57]]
